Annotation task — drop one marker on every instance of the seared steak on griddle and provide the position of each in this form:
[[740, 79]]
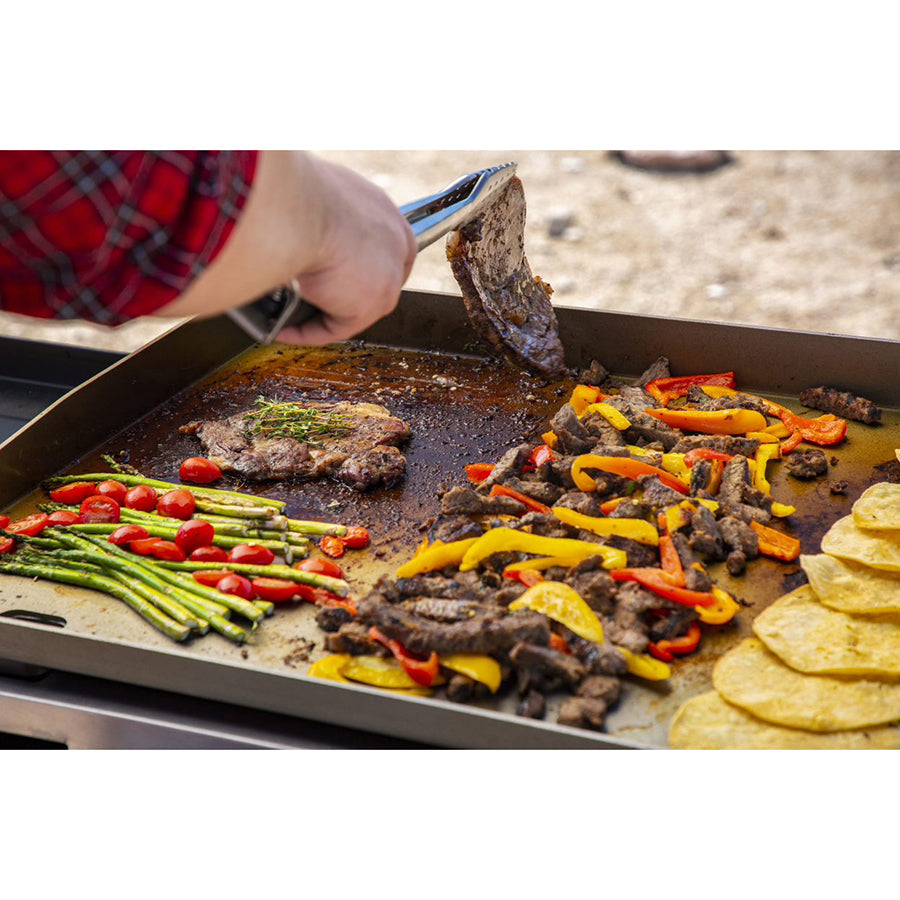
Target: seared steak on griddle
[[363, 456]]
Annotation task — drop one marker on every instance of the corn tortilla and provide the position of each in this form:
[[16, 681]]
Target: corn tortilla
[[878, 507], [878, 549], [852, 588]]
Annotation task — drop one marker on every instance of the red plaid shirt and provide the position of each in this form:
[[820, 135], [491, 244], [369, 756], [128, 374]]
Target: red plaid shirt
[[108, 236]]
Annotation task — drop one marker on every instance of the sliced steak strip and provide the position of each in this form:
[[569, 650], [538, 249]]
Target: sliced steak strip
[[806, 464], [533, 705], [584, 503], [583, 712], [705, 535], [562, 666], [841, 403], [461, 500], [730, 444], [658, 369], [510, 464]]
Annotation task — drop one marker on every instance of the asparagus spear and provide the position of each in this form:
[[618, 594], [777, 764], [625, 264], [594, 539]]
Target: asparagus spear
[[333, 585]]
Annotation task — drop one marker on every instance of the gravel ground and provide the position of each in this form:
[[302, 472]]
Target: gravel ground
[[806, 240]]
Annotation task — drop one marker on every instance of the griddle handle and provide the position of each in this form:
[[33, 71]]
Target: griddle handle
[[39, 618], [28, 671]]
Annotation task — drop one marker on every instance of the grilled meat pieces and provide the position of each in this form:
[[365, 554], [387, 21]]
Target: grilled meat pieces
[[508, 306], [841, 403], [363, 457]]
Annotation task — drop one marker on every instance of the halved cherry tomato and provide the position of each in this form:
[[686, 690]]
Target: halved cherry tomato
[[199, 470], [63, 517], [194, 534], [274, 590], [168, 551], [30, 525], [7, 545], [114, 489], [4, 521], [210, 577], [319, 566], [141, 497], [356, 537], [143, 546], [208, 554], [237, 585], [177, 504], [128, 533], [251, 554], [73, 493], [332, 546], [99, 509]]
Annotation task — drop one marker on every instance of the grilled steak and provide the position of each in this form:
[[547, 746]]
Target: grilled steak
[[806, 464], [841, 403], [362, 457], [509, 307]]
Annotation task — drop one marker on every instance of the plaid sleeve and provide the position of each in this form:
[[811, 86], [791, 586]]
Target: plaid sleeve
[[111, 235]]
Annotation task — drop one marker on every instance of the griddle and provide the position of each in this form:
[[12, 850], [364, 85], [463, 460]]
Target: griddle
[[423, 363]]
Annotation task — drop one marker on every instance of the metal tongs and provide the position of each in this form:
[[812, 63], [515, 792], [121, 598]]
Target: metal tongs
[[430, 219]]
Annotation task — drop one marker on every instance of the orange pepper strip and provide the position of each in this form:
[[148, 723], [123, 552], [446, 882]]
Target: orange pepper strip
[[722, 421], [477, 472], [619, 465], [558, 642], [680, 646], [528, 577], [610, 505], [660, 583], [500, 490], [421, 671], [668, 555], [776, 543], [667, 389]]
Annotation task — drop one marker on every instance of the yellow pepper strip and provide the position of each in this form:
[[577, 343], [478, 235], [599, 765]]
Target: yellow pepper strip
[[541, 563], [644, 666], [499, 540], [674, 464], [549, 438], [559, 602], [378, 671], [582, 397], [634, 529], [778, 430], [765, 453], [780, 510], [721, 421], [764, 437], [610, 413], [723, 610], [715, 391], [329, 667], [436, 556], [481, 668]]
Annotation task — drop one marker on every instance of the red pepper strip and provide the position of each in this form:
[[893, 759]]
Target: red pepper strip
[[421, 671], [539, 457], [668, 555], [660, 583], [500, 490], [477, 472], [680, 646], [321, 597], [558, 642], [662, 655], [528, 577], [704, 453], [776, 543], [824, 430], [791, 443], [667, 389]]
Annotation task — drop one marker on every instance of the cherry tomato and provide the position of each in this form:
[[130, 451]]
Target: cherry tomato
[[128, 533], [193, 534], [142, 497], [100, 509], [210, 577], [7, 545], [274, 590], [356, 538], [168, 551], [73, 493], [332, 546], [114, 489], [143, 546], [199, 470], [319, 566], [177, 504], [237, 585], [30, 525], [4, 521], [209, 554], [251, 554], [63, 517]]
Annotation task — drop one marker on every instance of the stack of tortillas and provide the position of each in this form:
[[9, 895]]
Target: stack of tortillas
[[824, 668]]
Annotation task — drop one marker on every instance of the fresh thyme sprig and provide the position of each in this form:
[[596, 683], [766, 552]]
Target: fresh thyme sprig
[[292, 420]]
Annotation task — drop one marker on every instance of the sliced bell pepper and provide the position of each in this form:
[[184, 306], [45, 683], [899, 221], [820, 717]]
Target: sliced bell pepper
[[680, 646], [778, 430], [764, 453], [669, 559], [644, 666], [775, 543], [583, 396], [780, 510], [660, 583], [549, 438], [609, 506], [436, 556], [541, 455], [704, 453], [716, 391], [619, 465], [765, 437], [723, 610], [668, 389], [634, 529], [528, 577], [720, 421], [716, 471], [484, 669], [541, 563], [499, 540], [330, 667], [422, 671], [477, 472], [610, 413], [674, 464], [558, 642], [791, 443], [501, 490], [377, 672], [561, 603]]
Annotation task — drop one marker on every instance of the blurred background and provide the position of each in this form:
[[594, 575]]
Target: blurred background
[[792, 239]]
